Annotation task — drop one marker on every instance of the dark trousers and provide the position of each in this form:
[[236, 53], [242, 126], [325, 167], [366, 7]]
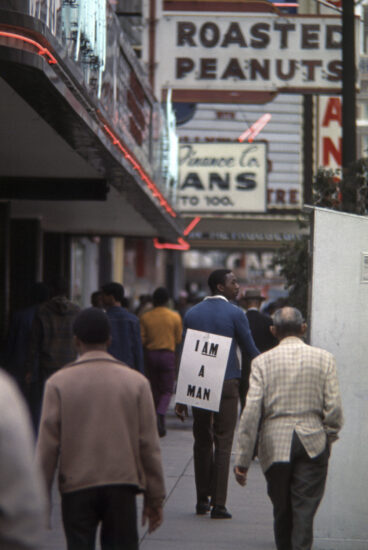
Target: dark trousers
[[161, 372], [244, 380], [114, 506], [296, 489], [213, 438]]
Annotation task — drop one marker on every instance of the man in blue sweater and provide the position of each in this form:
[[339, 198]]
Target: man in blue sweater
[[126, 344], [214, 431]]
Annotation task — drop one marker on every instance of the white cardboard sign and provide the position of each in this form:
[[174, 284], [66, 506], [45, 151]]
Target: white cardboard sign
[[202, 369]]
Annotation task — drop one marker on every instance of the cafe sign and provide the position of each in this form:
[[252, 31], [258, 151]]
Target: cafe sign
[[222, 177]]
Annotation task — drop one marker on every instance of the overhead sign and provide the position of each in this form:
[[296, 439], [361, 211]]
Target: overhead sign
[[202, 369], [254, 52], [222, 177], [329, 132]]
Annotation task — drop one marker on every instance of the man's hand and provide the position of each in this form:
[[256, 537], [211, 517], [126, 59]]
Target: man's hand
[[241, 475], [181, 411], [155, 516]]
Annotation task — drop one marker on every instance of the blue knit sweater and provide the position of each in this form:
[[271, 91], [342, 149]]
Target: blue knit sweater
[[126, 342], [218, 316]]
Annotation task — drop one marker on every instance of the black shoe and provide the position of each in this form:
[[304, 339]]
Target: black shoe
[[220, 512], [202, 507], [161, 425]]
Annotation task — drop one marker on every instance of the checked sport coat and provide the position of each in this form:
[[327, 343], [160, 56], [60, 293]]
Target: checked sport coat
[[293, 387]]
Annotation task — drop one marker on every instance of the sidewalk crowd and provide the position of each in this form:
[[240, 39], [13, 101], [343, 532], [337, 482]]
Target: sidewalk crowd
[[115, 455]]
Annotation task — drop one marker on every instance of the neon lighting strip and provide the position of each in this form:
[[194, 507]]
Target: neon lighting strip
[[154, 190], [182, 244], [254, 130], [42, 51], [191, 226]]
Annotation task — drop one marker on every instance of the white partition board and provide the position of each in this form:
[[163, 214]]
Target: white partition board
[[339, 323]]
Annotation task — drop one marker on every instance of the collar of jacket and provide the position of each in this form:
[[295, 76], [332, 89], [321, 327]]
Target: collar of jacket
[[94, 354], [216, 296], [291, 340]]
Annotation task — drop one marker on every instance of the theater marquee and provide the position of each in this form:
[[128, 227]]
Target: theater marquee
[[222, 177], [262, 52]]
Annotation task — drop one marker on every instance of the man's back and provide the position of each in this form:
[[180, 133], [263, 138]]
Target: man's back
[[161, 328], [52, 333], [293, 374], [294, 401], [110, 402], [300, 392], [126, 345], [218, 316], [260, 326]]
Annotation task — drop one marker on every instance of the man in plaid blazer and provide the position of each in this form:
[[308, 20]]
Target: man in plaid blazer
[[294, 398]]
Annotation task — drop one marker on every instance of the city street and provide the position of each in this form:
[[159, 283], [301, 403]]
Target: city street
[[249, 529]]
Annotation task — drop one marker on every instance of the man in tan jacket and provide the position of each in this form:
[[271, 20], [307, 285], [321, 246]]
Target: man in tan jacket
[[294, 398], [99, 421]]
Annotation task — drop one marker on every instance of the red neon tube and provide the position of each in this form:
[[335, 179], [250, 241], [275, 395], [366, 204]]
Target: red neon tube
[[41, 49], [44, 52], [154, 190], [182, 245]]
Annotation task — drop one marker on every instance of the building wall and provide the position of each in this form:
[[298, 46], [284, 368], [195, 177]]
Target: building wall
[[283, 135]]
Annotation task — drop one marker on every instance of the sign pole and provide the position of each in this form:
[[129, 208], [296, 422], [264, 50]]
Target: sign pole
[[308, 148], [348, 85]]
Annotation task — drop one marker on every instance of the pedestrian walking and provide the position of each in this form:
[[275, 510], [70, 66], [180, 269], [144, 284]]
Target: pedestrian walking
[[259, 324], [22, 494], [161, 331], [97, 299], [126, 342], [51, 339], [17, 347], [214, 431], [98, 423], [294, 396]]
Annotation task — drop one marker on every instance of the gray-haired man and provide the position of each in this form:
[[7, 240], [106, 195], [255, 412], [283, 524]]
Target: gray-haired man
[[294, 393]]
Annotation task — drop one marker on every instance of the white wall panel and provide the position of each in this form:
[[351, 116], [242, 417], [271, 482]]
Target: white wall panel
[[339, 323]]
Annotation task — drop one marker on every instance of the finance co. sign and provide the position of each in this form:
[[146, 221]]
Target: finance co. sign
[[222, 177], [261, 52]]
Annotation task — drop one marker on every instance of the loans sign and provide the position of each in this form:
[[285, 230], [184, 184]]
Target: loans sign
[[222, 177], [259, 52], [202, 369]]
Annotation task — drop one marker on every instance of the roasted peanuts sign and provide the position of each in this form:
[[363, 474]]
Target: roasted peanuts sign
[[202, 369], [264, 52]]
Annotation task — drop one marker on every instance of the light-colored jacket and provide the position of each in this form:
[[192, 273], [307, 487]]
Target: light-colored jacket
[[22, 493], [99, 420], [292, 387]]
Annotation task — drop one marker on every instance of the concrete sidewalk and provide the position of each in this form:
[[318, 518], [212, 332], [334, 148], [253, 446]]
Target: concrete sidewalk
[[251, 525], [249, 529]]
